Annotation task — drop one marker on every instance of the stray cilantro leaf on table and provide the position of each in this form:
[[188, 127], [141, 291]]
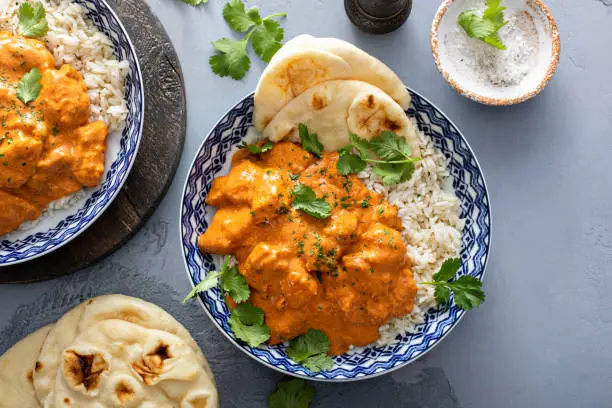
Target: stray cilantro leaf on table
[[294, 393], [235, 284], [29, 87], [32, 20], [305, 199], [247, 323], [240, 19], [467, 289], [254, 149], [310, 350], [310, 141], [485, 27], [232, 59]]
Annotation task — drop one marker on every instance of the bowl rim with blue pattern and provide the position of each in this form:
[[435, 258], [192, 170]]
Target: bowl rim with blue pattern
[[364, 362], [67, 227]]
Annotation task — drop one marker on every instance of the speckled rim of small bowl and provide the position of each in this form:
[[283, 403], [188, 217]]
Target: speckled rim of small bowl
[[550, 72]]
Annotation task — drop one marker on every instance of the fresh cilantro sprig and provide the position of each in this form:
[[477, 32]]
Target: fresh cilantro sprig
[[267, 34], [305, 199], [310, 350], [247, 323], [230, 281], [485, 27], [32, 20], [294, 393], [254, 149], [195, 2], [29, 87], [310, 141], [394, 165], [467, 289]]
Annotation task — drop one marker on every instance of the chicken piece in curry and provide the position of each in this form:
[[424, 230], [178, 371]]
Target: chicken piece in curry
[[346, 275], [48, 150]]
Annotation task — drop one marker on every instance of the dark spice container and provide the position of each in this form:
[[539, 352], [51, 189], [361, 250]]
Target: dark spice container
[[378, 16]]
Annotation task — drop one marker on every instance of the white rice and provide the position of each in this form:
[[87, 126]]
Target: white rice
[[430, 213], [73, 39]]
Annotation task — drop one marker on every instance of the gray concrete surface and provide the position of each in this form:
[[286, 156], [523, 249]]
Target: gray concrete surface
[[541, 338]]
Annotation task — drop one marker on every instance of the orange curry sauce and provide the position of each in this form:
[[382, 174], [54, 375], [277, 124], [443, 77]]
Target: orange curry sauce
[[346, 275], [47, 148]]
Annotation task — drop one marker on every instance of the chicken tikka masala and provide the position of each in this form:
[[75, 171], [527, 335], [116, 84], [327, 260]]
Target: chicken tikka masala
[[48, 150], [346, 275]]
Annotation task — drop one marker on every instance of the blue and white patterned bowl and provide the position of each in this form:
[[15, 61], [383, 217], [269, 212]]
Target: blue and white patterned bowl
[[64, 225], [212, 160]]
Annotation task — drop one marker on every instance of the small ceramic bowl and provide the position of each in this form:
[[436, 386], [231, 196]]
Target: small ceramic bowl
[[522, 70]]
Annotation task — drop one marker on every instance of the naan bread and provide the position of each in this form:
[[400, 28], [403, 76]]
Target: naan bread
[[334, 109], [306, 61], [16, 368], [116, 363], [96, 310]]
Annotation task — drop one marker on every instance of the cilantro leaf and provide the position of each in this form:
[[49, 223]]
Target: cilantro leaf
[[210, 281], [254, 149], [310, 350], [485, 27], [468, 292], [350, 163], [249, 314], [247, 323], [309, 344], [305, 199], [448, 269], [390, 173], [232, 60], [235, 284], [319, 362], [29, 87], [238, 18], [389, 147], [267, 39], [294, 393], [466, 289], [32, 20], [310, 141], [195, 2], [362, 145]]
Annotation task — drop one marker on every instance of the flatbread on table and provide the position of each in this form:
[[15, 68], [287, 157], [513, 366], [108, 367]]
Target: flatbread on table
[[334, 109], [117, 363], [96, 310], [16, 369], [307, 61]]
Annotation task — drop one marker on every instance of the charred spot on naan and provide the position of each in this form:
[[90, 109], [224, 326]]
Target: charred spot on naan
[[124, 392], [84, 369], [319, 101], [151, 366]]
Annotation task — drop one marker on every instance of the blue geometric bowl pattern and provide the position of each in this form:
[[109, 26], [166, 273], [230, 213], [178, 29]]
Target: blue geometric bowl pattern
[[469, 186], [40, 243]]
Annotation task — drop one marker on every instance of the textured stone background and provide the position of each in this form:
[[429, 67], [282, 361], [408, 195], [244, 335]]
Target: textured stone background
[[541, 338]]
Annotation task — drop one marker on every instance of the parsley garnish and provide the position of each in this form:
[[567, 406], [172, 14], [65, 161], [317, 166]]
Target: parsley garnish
[[32, 20], [310, 141], [485, 27], [305, 199], [247, 323], [232, 59], [294, 393], [29, 87], [310, 350], [466, 288], [254, 149], [395, 165]]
